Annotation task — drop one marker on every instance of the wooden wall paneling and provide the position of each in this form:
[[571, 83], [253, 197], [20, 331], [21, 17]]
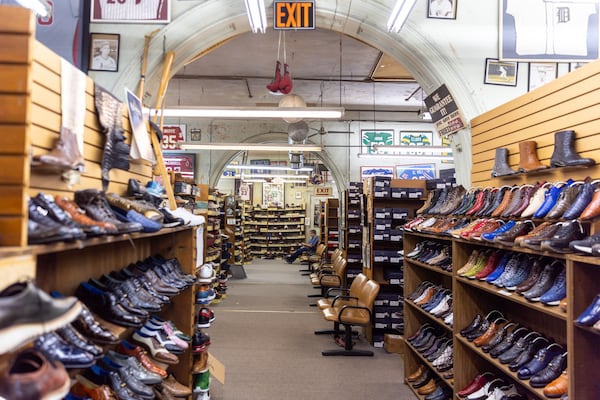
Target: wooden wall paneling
[[16, 267]]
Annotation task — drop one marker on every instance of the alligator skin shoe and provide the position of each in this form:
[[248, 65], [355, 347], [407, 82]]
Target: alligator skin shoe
[[541, 359], [567, 233], [545, 282], [532, 348], [558, 387], [565, 200], [550, 373], [521, 228], [584, 197], [534, 241], [591, 314]]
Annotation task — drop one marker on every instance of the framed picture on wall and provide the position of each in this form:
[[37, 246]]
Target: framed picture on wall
[[441, 9], [376, 137], [417, 171], [366, 172], [540, 74], [502, 73], [104, 52], [138, 12], [273, 194]]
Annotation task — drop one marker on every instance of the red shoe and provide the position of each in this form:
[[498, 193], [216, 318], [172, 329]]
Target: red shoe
[[476, 384], [274, 85]]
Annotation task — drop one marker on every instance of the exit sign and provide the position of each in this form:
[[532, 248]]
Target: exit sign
[[294, 15]]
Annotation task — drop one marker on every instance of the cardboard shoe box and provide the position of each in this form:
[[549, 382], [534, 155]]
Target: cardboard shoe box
[[393, 343]]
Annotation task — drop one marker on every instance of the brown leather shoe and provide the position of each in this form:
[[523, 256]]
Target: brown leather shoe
[[489, 333], [528, 159], [593, 209], [78, 215], [136, 351], [428, 295], [563, 305], [506, 200], [417, 374], [201, 363], [535, 231], [428, 388], [32, 376], [558, 387], [566, 198], [64, 156], [176, 389], [86, 388]]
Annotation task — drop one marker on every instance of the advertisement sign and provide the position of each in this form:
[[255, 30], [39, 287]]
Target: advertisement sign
[[183, 164], [172, 135], [421, 171], [294, 15], [445, 114]]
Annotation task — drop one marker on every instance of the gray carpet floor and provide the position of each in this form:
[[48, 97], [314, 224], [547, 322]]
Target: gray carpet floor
[[263, 334]]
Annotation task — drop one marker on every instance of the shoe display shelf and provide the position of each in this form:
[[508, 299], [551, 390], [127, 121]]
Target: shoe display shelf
[[330, 229], [353, 230], [233, 229], [277, 231], [382, 218], [322, 206], [416, 274], [247, 232]]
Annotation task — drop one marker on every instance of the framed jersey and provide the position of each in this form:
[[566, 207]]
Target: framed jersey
[[131, 11]]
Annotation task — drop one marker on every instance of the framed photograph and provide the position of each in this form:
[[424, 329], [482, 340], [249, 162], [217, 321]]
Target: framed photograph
[[441, 9], [540, 74], [366, 172], [104, 52], [273, 195], [551, 31], [130, 11], [180, 163], [379, 137], [195, 135], [502, 73], [576, 65], [417, 171]]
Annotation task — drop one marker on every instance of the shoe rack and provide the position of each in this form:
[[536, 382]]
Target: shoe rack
[[233, 229], [30, 89], [248, 231], [352, 230], [213, 249], [330, 229], [276, 231], [382, 240]]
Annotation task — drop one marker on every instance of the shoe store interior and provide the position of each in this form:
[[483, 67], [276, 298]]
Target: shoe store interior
[[255, 199]]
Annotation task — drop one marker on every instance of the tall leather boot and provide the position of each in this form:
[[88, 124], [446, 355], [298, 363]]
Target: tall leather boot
[[564, 154], [528, 157], [501, 167], [64, 156]]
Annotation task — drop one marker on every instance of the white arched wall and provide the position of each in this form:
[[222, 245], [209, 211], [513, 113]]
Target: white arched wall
[[364, 20]]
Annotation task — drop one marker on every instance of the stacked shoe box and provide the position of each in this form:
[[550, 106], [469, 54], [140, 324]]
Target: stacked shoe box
[[387, 314], [381, 187], [354, 230]]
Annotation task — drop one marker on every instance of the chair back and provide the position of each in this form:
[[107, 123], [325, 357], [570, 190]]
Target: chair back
[[340, 267], [320, 249], [369, 294], [336, 253], [357, 284]]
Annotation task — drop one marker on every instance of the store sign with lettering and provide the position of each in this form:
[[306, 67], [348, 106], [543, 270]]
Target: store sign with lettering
[[172, 136], [323, 191], [294, 15], [445, 114]]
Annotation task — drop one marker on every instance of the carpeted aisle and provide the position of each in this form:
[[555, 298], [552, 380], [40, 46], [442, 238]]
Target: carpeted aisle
[[263, 333]]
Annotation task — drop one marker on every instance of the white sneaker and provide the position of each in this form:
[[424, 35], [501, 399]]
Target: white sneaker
[[201, 395], [188, 217], [206, 274]]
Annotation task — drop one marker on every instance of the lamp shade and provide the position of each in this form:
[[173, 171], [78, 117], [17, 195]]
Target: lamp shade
[[298, 131], [292, 101]]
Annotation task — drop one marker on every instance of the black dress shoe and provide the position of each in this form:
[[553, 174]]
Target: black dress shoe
[[550, 373], [508, 341], [61, 216], [128, 376], [533, 347], [57, 349], [87, 325], [423, 379], [71, 336], [100, 376], [473, 325], [106, 305], [567, 233], [498, 337], [511, 354]]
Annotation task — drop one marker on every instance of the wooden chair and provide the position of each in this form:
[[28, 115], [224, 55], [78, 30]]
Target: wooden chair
[[349, 315]]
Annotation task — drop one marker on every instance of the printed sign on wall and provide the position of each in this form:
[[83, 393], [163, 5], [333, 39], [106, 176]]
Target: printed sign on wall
[[445, 114], [370, 138], [172, 135]]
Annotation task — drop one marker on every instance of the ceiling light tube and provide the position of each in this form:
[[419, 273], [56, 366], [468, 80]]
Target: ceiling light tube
[[254, 180], [257, 15], [400, 14], [269, 167], [423, 157], [254, 112], [268, 176], [250, 147]]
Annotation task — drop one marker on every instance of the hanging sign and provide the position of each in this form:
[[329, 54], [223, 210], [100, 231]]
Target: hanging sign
[[445, 114], [172, 135], [294, 15]]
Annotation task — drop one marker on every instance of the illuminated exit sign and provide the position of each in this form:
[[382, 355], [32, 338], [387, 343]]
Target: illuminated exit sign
[[294, 15]]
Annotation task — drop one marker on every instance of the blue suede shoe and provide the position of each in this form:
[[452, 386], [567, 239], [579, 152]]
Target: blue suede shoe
[[148, 225], [557, 292], [551, 198], [500, 268]]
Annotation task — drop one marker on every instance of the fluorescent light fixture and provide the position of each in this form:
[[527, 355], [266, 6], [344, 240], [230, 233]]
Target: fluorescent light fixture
[[268, 176], [250, 147], [254, 180], [404, 149], [269, 167], [254, 112], [257, 15], [294, 181], [399, 14], [40, 7], [422, 157]]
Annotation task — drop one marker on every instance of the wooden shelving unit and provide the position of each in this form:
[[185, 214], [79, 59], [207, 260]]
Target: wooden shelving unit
[[275, 232], [330, 226], [232, 221], [353, 230], [382, 238]]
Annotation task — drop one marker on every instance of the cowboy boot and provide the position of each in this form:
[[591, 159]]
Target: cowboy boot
[[501, 167], [64, 156], [564, 154], [528, 157]]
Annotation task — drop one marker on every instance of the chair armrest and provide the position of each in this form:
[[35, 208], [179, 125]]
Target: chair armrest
[[333, 289], [339, 279], [350, 307], [343, 298]]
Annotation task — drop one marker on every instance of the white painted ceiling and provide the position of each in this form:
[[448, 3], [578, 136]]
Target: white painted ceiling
[[236, 73]]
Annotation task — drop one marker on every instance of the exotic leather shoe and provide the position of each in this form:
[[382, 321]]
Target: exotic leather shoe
[[558, 387], [477, 321], [157, 350], [534, 241], [551, 198], [140, 373], [40, 234], [532, 348], [498, 198], [500, 268], [501, 166], [565, 200], [491, 267], [516, 200], [564, 154], [78, 215], [533, 233], [526, 194], [146, 210], [519, 275], [498, 336], [521, 228], [453, 200], [506, 200], [477, 383], [90, 328], [567, 233], [591, 314], [550, 373], [489, 333], [536, 200], [129, 377], [489, 236], [96, 206], [40, 215], [112, 379], [534, 274], [584, 197], [31, 375], [439, 202], [26, 312], [541, 359], [59, 350], [545, 282], [592, 210], [528, 159], [141, 355], [58, 214], [512, 268], [557, 292]]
